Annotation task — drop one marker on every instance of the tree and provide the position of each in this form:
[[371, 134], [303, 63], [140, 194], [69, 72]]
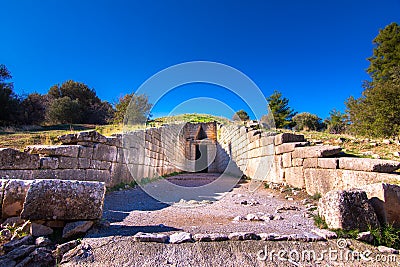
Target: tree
[[34, 108], [136, 108], [375, 113], [241, 115], [279, 106], [64, 110], [92, 109], [336, 122], [386, 54], [10, 111], [307, 122]]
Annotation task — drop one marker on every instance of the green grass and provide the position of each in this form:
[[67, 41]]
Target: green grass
[[316, 196], [387, 235], [320, 222], [346, 233]]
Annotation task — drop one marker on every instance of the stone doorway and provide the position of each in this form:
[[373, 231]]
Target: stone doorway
[[201, 158]]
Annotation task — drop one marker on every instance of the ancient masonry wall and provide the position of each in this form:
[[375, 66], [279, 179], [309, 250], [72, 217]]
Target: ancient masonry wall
[[288, 158]]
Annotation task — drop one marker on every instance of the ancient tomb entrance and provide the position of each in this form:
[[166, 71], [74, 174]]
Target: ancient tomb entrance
[[201, 158]]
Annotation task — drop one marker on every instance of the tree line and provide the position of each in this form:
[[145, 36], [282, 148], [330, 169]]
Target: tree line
[[69, 103], [376, 113]]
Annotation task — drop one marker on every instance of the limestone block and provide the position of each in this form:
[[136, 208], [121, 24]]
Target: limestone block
[[347, 209], [76, 228], [68, 174], [322, 180], [287, 160], [288, 138], [84, 163], [297, 162], [17, 174], [63, 150], [100, 165], [369, 165], [67, 163], [105, 153], [3, 184], [11, 159], [267, 140], [353, 179], [86, 152], [328, 163], [91, 136], [120, 174], [49, 163], [288, 147], [294, 176], [98, 175], [385, 199], [316, 151], [114, 141], [64, 200], [14, 196], [310, 163]]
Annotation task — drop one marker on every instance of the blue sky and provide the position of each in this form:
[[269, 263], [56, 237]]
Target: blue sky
[[314, 52]]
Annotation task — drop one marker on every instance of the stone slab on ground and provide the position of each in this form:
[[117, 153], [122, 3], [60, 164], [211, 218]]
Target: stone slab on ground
[[64, 200], [76, 228], [369, 165], [12, 159], [347, 209]]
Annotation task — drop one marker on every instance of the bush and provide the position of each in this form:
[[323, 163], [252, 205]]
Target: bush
[[307, 122]]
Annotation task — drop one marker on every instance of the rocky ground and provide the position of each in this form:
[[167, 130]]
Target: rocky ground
[[281, 213]]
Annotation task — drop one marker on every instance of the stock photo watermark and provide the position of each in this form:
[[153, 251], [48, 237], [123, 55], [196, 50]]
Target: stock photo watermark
[[341, 253]]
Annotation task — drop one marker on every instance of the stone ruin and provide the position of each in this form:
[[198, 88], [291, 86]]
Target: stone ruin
[[50, 173]]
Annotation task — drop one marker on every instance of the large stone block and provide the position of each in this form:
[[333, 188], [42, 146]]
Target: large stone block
[[354, 179], [14, 196], [3, 184], [64, 200], [385, 199], [288, 138], [316, 151], [347, 209], [322, 180], [369, 165], [328, 163], [67, 163], [294, 176], [310, 163], [17, 174], [49, 163], [105, 153], [99, 175], [287, 160], [288, 147], [11, 159], [62, 150], [87, 136]]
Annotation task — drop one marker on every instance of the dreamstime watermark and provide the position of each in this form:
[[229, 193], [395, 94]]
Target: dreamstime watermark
[[340, 254]]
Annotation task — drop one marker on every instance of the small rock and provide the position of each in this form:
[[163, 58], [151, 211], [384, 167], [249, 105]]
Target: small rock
[[13, 221], [376, 156], [26, 240], [6, 262], [149, 237], [40, 230], [210, 237], [290, 199], [76, 228], [180, 237], [277, 218], [267, 217], [63, 248], [365, 236], [253, 217], [39, 257], [239, 218], [5, 234], [42, 241], [238, 236], [244, 202], [285, 208], [326, 234], [268, 237], [384, 249]]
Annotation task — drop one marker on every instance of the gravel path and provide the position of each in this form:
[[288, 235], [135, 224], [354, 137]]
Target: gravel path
[[132, 211]]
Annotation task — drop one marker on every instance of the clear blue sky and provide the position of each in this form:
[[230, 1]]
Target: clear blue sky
[[314, 52]]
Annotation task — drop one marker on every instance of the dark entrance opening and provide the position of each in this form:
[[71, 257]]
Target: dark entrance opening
[[201, 160]]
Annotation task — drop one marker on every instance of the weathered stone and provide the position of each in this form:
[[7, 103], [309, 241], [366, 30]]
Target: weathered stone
[[64, 200], [39, 257], [26, 240], [55, 224], [253, 217], [316, 151], [288, 147], [58, 150], [100, 176], [328, 163], [239, 218], [67, 163], [3, 183], [365, 236], [42, 241], [114, 141], [210, 237], [76, 228], [40, 230], [49, 163], [288, 138], [369, 165], [268, 236], [310, 163], [347, 209], [14, 197], [181, 237], [100, 165], [20, 252], [6, 262], [105, 153], [238, 236], [63, 248], [322, 180], [324, 233], [297, 162], [385, 199], [149, 237], [287, 160], [11, 159], [84, 163], [383, 249], [294, 177]]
